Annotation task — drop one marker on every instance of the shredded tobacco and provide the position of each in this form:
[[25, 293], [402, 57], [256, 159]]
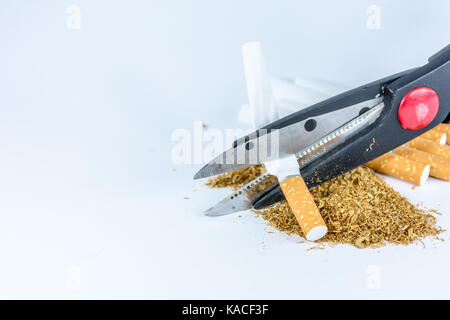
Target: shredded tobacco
[[236, 179], [358, 207]]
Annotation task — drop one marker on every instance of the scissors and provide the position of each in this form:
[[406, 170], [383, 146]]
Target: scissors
[[338, 134]]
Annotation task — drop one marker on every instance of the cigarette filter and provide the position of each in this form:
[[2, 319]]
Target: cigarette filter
[[298, 197], [444, 127], [430, 147], [436, 136], [439, 166], [304, 207], [400, 167]]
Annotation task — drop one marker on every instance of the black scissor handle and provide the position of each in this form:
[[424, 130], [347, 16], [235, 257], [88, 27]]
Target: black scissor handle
[[386, 133]]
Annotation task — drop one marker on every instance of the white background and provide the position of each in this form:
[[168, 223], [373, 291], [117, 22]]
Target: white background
[[91, 205]]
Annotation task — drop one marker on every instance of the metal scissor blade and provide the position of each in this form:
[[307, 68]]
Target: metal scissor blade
[[263, 146], [325, 150], [253, 193], [228, 205], [243, 198], [213, 168]]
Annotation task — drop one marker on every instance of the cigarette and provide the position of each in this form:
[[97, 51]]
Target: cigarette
[[430, 147], [304, 208], [400, 167], [436, 136], [439, 166], [444, 127]]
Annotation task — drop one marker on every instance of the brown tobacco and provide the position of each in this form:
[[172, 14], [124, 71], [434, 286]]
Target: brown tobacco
[[236, 179], [358, 207]]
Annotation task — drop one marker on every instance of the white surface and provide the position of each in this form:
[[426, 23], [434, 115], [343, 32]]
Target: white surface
[[91, 205]]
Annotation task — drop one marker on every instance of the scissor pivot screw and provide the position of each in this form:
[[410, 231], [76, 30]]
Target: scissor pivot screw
[[310, 125]]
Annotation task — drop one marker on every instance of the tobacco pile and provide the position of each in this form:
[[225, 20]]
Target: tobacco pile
[[358, 207], [236, 179]]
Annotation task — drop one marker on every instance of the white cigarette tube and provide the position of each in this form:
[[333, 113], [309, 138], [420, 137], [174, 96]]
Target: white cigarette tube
[[260, 96]]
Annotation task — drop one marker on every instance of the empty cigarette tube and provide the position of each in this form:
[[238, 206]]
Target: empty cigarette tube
[[304, 208], [439, 166], [444, 127], [430, 147], [436, 136], [400, 167], [259, 89]]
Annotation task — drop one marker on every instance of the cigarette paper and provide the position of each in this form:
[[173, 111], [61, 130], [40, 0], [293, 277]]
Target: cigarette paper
[[430, 147], [260, 96], [304, 208], [436, 136], [444, 127], [439, 166], [400, 167]]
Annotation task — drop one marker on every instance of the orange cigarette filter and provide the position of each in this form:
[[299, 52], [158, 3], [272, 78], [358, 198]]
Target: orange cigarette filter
[[430, 147], [400, 167], [305, 210], [439, 166], [436, 136], [444, 127]]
